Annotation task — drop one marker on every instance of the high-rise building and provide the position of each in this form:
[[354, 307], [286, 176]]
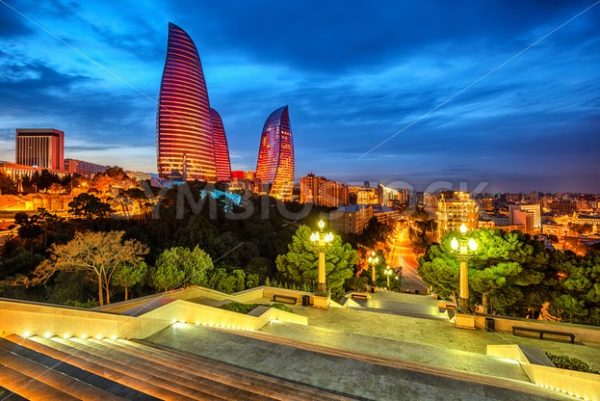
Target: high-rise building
[[183, 128], [82, 167], [453, 212], [350, 219], [40, 147], [528, 216], [275, 164], [222, 161], [322, 192]]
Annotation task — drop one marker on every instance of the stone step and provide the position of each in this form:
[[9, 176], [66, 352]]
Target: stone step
[[55, 379], [76, 373], [301, 391], [72, 357], [272, 387], [169, 371], [6, 395], [30, 388], [127, 366]]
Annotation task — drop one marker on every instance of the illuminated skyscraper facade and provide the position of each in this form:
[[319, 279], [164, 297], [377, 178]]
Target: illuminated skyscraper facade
[[275, 165], [222, 162], [183, 124], [40, 147]]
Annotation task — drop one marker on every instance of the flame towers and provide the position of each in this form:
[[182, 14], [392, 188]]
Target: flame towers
[[275, 165], [222, 161], [183, 124]]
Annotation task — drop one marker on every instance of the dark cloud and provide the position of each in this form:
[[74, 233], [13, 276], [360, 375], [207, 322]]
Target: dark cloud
[[338, 35], [353, 74], [11, 23]]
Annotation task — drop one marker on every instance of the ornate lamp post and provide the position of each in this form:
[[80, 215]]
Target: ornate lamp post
[[321, 240], [373, 261], [388, 273], [464, 246]]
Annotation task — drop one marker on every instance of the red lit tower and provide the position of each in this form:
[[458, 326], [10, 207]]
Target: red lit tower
[[183, 124], [275, 165]]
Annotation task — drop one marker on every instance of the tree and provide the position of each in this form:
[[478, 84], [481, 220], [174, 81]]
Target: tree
[[299, 264], [89, 206], [422, 227], [29, 228], [7, 184], [577, 295], [179, 266], [129, 275], [101, 254], [503, 266]]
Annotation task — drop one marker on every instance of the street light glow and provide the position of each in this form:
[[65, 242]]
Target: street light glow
[[321, 225], [454, 244], [463, 228], [472, 244]]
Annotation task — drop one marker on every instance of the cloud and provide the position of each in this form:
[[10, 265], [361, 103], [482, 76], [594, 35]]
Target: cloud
[[11, 23], [353, 74]]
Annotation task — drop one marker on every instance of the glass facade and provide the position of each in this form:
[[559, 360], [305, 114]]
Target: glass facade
[[183, 126], [275, 165], [222, 161]]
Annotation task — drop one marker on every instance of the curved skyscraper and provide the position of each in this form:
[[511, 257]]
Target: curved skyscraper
[[222, 161], [275, 165], [183, 126]]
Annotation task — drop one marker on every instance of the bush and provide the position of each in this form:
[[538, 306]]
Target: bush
[[282, 307], [238, 307], [87, 304], [567, 362]]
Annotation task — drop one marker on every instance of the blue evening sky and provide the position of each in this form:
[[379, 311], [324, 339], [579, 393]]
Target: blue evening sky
[[352, 72]]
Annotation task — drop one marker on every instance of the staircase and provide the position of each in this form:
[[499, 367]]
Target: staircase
[[70, 369]]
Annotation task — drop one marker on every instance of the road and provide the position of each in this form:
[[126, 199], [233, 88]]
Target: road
[[402, 255]]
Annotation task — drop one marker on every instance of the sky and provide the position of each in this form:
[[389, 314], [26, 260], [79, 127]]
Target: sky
[[501, 94]]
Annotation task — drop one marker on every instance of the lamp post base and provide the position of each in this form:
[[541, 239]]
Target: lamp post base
[[321, 301], [321, 289], [463, 305]]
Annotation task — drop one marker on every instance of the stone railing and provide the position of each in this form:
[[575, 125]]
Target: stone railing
[[577, 384]]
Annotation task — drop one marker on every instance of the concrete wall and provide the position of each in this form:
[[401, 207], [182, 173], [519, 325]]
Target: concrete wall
[[194, 292], [505, 324], [32, 318], [577, 384], [26, 318]]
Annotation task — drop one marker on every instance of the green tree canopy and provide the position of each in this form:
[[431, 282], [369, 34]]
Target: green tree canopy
[[89, 206], [101, 254], [179, 266], [299, 264], [503, 265], [129, 275]]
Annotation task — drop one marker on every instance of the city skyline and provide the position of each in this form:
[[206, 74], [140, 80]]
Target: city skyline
[[529, 125]]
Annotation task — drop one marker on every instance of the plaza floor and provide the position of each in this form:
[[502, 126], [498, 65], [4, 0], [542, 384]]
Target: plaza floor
[[372, 332], [346, 375]]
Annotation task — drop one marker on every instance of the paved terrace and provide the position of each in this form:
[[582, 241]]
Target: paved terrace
[[345, 373], [424, 339]]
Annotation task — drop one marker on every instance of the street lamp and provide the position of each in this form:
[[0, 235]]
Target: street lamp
[[321, 240], [388, 273], [465, 246], [373, 261]]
